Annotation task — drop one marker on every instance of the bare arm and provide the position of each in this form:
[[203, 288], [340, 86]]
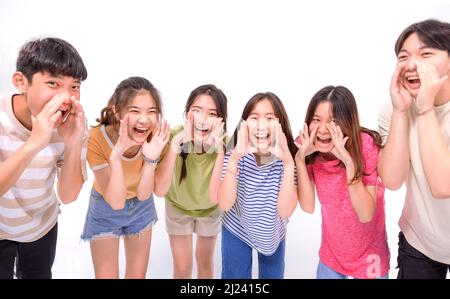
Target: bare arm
[[363, 198], [215, 182], [288, 196], [306, 147], [70, 180], [228, 188], [306, 193], [146, 183], [151, 151], [165, 169], [434, 154], [112, 181], [12, 168], [394, 163]]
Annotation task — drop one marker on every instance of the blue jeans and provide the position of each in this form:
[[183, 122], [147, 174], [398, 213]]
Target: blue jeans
[[325, 272], [237, 259], [102, 221]]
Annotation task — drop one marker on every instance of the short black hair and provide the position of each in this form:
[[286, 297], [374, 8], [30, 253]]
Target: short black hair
[[431, 32], [52, 55]]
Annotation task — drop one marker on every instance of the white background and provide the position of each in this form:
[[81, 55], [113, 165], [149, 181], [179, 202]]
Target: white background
[[292, 48]]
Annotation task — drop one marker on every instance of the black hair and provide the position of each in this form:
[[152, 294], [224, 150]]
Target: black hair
[[52, 55]]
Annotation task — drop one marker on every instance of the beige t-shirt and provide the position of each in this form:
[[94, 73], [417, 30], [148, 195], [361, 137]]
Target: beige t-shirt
[[30, 208], [425, 220]]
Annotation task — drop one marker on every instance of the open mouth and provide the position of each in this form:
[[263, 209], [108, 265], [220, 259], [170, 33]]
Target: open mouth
[[413, 81], [201, 130], [324, 141], [65, 112], [261, 137], [141, 131]]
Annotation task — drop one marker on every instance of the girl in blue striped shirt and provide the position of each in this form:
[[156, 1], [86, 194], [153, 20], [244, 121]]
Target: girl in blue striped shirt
[[255, 184]]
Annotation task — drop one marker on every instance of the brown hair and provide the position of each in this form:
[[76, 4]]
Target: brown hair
[[345, 113], [125, 92]]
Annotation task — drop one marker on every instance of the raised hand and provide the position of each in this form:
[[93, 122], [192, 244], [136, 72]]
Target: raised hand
[[430, 84], [400, 97], [339, 142], [187, 135], [243, 146], [45, 121], [215, 139], [159, 138], [74, 125], [279, 146], [305, 142], [124, 141]]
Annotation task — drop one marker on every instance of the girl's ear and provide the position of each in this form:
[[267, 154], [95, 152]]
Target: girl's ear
[[115, 113], [20, 81]]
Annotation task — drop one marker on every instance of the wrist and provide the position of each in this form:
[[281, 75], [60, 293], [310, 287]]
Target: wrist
[[288, 162], [424, 110], [115, 156], [234, 157], [150, 160], [31, 147]]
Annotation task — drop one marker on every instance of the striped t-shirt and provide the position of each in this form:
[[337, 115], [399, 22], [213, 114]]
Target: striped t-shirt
[[254, 217], [30, 208]]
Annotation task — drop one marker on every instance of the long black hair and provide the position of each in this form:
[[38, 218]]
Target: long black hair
[[221, 106]]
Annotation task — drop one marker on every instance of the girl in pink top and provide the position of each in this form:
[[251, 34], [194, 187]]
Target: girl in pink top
[[338, 159]]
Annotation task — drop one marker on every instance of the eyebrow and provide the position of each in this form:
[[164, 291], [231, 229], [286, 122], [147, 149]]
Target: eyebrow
[[266, 114], [200, 107], [139, 108], [421, 48], [54, 76]]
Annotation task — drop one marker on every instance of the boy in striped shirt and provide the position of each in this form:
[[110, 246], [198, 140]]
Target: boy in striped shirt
[[42, 134]]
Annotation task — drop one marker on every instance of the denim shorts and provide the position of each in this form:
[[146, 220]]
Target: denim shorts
[[325, 272], [102, 221]]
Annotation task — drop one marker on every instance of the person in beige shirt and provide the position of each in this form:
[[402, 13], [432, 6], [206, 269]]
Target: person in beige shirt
[[415, 128], [42, 142]]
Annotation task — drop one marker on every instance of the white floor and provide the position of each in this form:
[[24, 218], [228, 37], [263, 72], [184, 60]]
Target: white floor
[[73, 258]]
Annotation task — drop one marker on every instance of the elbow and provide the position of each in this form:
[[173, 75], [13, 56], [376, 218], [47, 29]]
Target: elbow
[[158, 192], [116, 203], [440, 192], [366, 217], [142, 197], [117, 206], [392, 181], [224, 207], [213, 196], [392, 184], [67, 199], [285, 214], [160, 189], [309, 210]]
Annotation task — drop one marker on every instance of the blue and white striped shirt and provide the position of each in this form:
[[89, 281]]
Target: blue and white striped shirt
[[254, 217]]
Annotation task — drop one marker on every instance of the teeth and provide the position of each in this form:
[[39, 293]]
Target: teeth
[[262, 136], [412, 78], [323, 139]]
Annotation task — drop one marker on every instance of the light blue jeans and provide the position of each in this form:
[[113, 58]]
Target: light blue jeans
[[237, 259], [325, 272]]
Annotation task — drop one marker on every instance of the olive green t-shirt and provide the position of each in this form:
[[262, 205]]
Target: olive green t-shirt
[[191, 196]]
